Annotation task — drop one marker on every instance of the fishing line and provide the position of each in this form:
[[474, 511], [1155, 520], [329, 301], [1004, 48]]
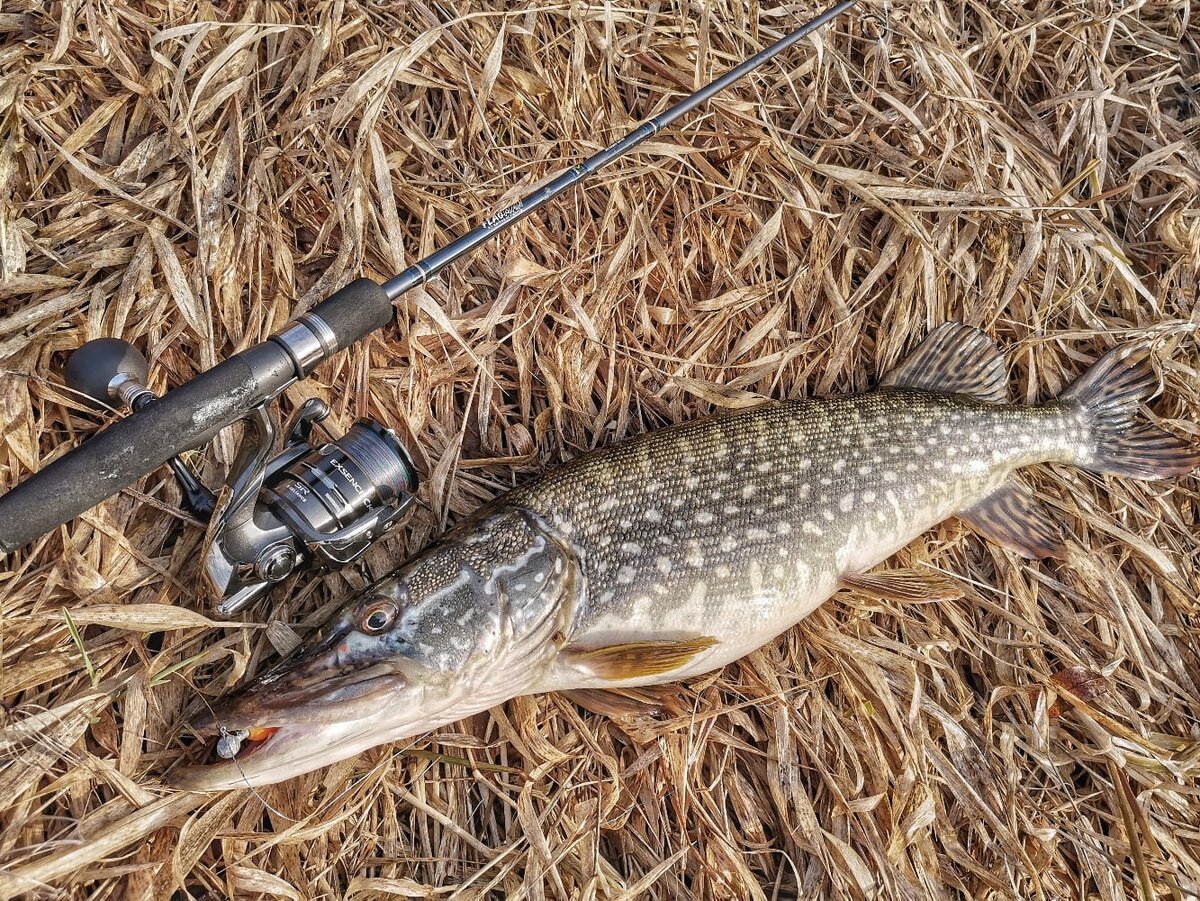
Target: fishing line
[[253, 789]]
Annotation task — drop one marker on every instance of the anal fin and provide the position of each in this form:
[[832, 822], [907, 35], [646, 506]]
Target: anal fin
[[905, 585], [1012, 517], [636, 659]]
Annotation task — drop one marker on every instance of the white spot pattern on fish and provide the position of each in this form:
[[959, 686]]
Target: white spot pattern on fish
[[783, 484]]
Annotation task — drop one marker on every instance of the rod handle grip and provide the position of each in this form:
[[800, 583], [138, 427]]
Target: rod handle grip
[[353, 312], [133, 447]]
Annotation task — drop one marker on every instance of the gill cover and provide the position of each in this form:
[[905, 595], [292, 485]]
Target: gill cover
[[501, 581]]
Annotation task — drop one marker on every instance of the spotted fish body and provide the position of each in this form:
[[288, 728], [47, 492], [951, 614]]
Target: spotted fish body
[[741, 525], [675, 552]]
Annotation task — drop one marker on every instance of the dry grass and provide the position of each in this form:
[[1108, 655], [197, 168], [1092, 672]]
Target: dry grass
[[185, 174]]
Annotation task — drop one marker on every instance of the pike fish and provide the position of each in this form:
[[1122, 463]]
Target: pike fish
[[675, 552]]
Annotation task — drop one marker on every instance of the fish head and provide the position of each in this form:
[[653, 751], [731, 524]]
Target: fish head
[[470, 622]]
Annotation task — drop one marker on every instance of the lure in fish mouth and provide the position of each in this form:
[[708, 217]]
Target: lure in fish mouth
[[676, 552], [317, 700]]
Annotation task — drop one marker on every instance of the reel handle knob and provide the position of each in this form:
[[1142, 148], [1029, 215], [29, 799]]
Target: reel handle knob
[[108, 369]]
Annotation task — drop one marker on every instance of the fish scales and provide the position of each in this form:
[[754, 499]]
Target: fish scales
[[747, 521], [674, 552]]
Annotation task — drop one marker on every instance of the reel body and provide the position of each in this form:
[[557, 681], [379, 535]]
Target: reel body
[[309, 504]]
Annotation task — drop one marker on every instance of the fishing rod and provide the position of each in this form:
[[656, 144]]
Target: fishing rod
[[307, 503]]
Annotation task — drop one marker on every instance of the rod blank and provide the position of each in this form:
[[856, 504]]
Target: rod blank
[[423, 270]]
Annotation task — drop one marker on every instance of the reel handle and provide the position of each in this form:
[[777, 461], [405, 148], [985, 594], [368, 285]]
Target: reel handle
[[130, 448], [109, 369]]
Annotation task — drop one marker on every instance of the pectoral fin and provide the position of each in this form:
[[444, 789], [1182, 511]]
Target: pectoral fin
[[636, 659], [905, 585], [1012, 518]]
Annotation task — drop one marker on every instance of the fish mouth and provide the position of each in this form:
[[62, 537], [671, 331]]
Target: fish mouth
[[257, 738], [250, 762]]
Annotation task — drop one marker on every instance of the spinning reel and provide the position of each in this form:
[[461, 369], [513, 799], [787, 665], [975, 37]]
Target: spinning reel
[[304, 504]]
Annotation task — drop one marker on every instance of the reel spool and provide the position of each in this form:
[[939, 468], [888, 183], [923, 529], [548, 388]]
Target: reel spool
[[306, 504]]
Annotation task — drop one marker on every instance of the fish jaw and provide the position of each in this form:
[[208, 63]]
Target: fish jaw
[[289, 751], [310, 736], [297, 748], [308, 725], [343, 693], [294, 746]]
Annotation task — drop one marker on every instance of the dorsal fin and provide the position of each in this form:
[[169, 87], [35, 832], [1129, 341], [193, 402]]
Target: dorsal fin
[[954, 359]]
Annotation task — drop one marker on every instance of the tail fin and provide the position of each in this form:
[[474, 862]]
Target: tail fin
[[1110, 394]]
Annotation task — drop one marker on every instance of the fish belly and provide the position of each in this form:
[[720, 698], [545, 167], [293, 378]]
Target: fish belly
[[739, 526]]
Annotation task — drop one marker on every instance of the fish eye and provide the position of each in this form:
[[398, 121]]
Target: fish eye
[[377, 616]]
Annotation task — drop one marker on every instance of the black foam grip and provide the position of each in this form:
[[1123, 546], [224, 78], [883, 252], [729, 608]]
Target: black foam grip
[[134, 447], [355, 311]]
